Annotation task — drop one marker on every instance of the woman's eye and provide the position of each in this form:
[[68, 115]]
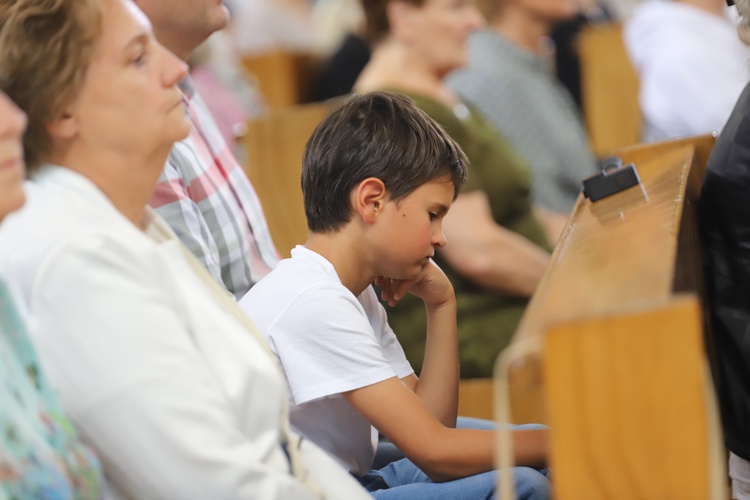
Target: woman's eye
[[140, 60]]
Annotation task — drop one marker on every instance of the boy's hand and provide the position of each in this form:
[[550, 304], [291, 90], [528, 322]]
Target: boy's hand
[[431, 285]]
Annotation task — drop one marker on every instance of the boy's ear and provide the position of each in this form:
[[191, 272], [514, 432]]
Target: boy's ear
[[369, 198]]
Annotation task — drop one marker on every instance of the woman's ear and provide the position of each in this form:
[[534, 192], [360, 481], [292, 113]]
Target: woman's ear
[[369, 198], [63, 127]]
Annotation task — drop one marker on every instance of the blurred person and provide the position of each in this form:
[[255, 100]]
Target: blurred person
[[333, 20], [724, 212], [203, 193], [499, 243], [228, 90], [565, 35], [350, 52], [263, 26], [683, 50], [511, 81], [155, 363], [41, 455]]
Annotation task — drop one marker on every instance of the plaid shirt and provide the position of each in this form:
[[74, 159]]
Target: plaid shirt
[[209, 202]]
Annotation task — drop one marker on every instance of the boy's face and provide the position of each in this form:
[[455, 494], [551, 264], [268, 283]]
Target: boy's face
[[411, 230]]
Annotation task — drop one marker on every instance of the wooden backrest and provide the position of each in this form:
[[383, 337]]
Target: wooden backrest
[[617, 365], [285, 78], [274, 146], [609, 88]]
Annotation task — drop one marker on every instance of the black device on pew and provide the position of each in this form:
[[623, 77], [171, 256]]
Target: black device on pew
[[613, 178]]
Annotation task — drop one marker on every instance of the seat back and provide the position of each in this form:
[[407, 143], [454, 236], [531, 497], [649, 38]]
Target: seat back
[[609, 89], [284, 78], [274, 145]]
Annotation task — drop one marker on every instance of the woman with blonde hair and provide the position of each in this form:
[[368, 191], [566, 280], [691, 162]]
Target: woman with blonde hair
[[162, 373]]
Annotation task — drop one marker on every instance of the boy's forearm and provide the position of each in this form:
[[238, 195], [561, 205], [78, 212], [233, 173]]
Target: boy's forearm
[[463, 452], [438, 381], [530, 447]]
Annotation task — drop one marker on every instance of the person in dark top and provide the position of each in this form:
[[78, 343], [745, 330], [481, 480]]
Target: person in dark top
[[725, 232]]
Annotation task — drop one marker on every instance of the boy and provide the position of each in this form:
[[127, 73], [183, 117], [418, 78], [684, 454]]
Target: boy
[[378, 177]]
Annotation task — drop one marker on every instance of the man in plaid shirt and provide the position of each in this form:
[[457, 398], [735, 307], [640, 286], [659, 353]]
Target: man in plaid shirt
[[203, 193]]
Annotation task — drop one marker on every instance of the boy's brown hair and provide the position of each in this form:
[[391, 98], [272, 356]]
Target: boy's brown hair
[[379, 135]]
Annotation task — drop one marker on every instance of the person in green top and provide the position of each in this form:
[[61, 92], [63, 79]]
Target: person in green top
[[41, 456], [499, 242]]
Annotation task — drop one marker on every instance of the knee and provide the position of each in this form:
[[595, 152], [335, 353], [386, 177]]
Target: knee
[[531, 484]]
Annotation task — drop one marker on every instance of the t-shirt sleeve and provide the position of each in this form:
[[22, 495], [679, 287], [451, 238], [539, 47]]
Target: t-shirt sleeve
[[327, 346]]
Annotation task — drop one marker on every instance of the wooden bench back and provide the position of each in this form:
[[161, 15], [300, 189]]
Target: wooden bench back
[[285, 78], [618, 370], [274, 146], [609, 89]]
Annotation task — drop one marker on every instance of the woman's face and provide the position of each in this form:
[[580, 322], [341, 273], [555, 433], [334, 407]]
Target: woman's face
[[12, 126], [438, 32], [128, 103]]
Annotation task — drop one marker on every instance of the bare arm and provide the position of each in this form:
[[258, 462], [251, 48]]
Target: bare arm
[[437, 385], [442, 453], [487, 253]]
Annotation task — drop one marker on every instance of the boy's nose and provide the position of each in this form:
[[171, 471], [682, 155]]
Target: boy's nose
[[440, 240]]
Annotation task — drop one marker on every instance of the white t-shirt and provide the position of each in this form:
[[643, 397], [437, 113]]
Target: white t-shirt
[[329, 342]]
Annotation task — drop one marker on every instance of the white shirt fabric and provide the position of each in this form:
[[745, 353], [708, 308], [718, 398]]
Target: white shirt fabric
[[692, 67], [177, 397], [329, 342]]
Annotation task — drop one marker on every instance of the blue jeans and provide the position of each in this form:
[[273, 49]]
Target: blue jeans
[[404, 480], [401, 479]]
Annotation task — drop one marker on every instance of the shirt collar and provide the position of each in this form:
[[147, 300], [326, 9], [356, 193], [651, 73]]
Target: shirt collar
[[49, 174]]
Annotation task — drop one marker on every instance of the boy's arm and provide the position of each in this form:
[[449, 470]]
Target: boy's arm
[[486, 252], [442, 453], [437, 385]]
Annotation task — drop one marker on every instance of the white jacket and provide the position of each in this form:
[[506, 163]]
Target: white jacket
[[177, 397]]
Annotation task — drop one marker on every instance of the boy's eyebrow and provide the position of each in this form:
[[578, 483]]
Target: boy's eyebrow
[[442, 209]]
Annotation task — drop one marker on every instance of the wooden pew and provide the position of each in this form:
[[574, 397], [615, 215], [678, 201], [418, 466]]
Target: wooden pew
[[274, 144], [285, 78], [609, 88], [610, 352]]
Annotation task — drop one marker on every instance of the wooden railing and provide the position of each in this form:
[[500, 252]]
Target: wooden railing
[[610, 352]]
